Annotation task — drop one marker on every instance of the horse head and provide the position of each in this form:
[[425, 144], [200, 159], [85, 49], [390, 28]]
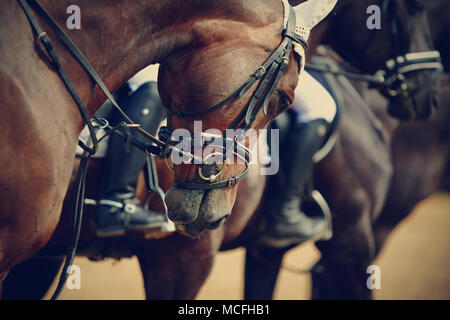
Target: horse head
[[244, 63], [399, 49]]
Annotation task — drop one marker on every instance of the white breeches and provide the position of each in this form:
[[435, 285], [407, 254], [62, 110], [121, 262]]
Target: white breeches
[[149, 73], [312, 101]]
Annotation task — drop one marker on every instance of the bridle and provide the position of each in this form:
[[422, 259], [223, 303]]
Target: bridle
[[401, 65], [393, 79], [268, 75]]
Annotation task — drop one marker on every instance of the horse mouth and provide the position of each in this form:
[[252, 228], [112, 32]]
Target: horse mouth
[[196, 228], [185, 230]]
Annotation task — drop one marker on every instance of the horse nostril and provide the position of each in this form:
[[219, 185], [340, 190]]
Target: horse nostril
[[183, 206], [216, 224]]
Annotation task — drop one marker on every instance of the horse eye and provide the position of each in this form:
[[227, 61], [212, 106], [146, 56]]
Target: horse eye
[[283, 101]]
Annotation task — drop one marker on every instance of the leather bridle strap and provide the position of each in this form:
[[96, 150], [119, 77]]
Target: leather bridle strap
[[274, 67], [384, 78], [45, 40], [238, 93], [88, 151], [277, 57], [414, 62], [212, 185]]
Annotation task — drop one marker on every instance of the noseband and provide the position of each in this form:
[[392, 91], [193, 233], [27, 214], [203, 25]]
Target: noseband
[[268, 75]]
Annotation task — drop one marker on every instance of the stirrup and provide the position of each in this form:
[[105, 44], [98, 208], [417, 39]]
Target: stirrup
[[161, 231]]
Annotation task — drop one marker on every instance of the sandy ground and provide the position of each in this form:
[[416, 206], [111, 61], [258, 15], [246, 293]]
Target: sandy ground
[[415, 264]]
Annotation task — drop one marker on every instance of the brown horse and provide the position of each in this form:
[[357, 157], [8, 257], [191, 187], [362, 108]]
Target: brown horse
[[204, 54]]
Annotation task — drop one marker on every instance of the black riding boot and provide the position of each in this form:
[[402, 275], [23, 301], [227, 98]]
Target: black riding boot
[[118, 209], [289, 225]]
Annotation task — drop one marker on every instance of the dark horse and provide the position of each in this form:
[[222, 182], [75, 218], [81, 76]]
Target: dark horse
[[204, 55], [383, 180], [421, 149]]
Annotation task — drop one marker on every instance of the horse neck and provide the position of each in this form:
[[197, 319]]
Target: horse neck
[[119, 38]]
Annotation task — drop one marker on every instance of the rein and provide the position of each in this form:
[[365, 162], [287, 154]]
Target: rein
[[398, 67]]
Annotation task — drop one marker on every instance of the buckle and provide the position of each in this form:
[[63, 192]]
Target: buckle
[[231, 181], [260, 72], [100, 123], [129, 207]]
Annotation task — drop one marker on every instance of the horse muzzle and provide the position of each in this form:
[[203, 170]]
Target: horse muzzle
[[194, 211]]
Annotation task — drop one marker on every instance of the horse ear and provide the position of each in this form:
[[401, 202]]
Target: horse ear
[[310, 13]]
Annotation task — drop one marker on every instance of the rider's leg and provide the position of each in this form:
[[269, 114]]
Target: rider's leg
[[315, 110], [118, 208]]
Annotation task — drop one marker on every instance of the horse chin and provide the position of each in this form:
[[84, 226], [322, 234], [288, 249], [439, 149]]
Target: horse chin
[[196, 228], [194, 211], [192, 230]]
